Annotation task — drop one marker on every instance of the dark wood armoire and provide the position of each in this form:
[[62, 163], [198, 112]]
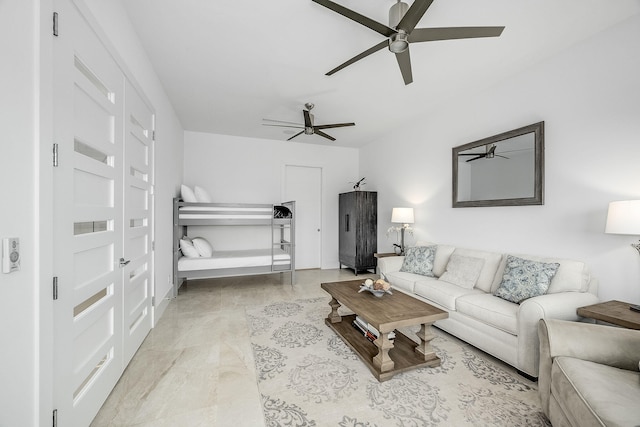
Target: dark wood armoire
[[358, 233]]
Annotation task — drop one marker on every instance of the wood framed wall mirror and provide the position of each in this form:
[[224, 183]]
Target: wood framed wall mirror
[[502, 170]]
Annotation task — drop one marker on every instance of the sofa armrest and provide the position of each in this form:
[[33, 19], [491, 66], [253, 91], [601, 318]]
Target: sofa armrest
[[560, 305], [607, 345], [389, 264]]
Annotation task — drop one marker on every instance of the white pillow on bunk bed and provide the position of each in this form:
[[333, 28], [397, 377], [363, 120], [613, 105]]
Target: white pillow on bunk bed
[[188, 249], [201, 195], [187, 194], [203, 246]]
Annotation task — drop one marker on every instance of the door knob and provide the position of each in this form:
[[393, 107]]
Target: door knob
[[123, 262]]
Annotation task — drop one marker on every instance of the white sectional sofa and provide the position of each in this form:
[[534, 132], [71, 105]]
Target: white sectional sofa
[[504, 329]]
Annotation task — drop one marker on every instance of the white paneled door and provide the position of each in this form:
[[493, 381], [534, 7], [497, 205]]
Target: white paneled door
[[102, 220], [304, 185], [138, 216]]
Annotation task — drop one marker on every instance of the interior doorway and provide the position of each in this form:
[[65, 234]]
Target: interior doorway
[[304, 185]]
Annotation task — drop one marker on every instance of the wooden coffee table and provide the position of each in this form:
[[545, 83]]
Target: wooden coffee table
[[383, 357]]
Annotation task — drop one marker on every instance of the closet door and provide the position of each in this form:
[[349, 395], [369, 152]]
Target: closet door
[[138, 227], [88, 118], [103, 212]]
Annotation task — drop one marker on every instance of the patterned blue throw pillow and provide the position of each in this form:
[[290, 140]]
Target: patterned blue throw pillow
[[419, 260], [524, 279]]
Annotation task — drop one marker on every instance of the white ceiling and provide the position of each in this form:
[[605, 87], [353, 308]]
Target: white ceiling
[[226, 65]]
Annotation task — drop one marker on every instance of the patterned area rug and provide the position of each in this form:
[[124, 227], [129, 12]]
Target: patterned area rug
[[308, 377]]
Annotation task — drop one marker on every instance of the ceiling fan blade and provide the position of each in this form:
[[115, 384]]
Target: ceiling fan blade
[[413, 15], [470, 154], [504, 157], [475, 158], [284, 126], [404, 61], [308, 122], [299, 133], [319, 132], [335, 125], [451, 33], [355, 16], [358, 57], [282, 121]]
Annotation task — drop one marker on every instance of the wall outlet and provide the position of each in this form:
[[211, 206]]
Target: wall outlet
[[10, 254]]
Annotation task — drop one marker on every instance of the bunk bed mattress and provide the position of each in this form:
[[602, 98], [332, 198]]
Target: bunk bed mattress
[[235, 259], [223, 212]]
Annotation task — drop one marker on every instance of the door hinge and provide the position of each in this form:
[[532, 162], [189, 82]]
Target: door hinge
[[55, 418], [153, 135], [153, 245], [55, 288], [55, 24], [55, 155], [153, 301]]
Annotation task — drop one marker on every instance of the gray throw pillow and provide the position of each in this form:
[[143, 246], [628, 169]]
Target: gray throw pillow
[[463, 270], [419, 260], [524, 279]]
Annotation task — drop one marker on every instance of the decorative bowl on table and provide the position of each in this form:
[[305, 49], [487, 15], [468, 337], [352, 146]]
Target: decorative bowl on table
[[377, 288]]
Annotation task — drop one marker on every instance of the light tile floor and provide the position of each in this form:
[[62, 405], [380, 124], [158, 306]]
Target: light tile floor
[[195, 368]]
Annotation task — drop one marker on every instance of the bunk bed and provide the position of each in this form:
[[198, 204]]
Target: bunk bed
[[279, 258]]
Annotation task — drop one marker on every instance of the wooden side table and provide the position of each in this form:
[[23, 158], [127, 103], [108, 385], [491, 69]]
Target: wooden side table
[[384, 254], [614, 312]]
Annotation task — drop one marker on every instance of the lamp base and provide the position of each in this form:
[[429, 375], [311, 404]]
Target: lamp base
[[635, 308]]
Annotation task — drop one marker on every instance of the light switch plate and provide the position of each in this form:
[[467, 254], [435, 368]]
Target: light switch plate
[[10, 254]]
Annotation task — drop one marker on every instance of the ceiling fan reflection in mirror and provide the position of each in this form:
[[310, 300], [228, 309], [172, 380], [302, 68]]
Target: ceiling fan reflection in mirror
[[308, 127], [401, 32], [490, 153]]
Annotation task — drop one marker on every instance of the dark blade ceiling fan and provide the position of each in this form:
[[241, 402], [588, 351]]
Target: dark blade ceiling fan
[[308, 128], [489, 153], [401, 32]]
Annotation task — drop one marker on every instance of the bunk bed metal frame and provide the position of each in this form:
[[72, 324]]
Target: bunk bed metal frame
[[233, 214]]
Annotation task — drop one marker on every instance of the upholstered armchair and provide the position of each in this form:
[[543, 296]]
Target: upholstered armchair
[[589, 374]]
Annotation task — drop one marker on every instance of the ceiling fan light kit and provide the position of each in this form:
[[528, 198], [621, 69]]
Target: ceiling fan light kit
[[401, 32], [398, 42]]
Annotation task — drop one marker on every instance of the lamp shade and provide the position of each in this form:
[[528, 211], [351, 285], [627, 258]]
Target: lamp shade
[[623, 217], [402, 215]]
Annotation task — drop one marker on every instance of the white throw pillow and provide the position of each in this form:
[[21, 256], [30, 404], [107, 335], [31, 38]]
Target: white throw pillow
[[188, 249], [463, 270], [203, 246], [201, 195], [187, 194]]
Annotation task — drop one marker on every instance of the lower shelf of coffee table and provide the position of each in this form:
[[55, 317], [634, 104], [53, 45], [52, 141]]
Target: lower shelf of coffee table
[[403, 353]]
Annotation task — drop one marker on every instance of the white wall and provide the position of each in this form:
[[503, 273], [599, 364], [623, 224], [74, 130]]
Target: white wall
[[588, 97], [19, 163], [247, 170]]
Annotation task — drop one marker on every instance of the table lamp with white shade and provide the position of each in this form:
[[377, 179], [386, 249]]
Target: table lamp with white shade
[[623, 217], [402, 216]]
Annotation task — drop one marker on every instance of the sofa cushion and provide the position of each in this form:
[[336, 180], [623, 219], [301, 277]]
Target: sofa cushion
[[593, 394], [523, 279], [442, 293], [491, 310], [491, 264], [463, 270], [572, 275], [402, 280], [419, 260], [443, 252]]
